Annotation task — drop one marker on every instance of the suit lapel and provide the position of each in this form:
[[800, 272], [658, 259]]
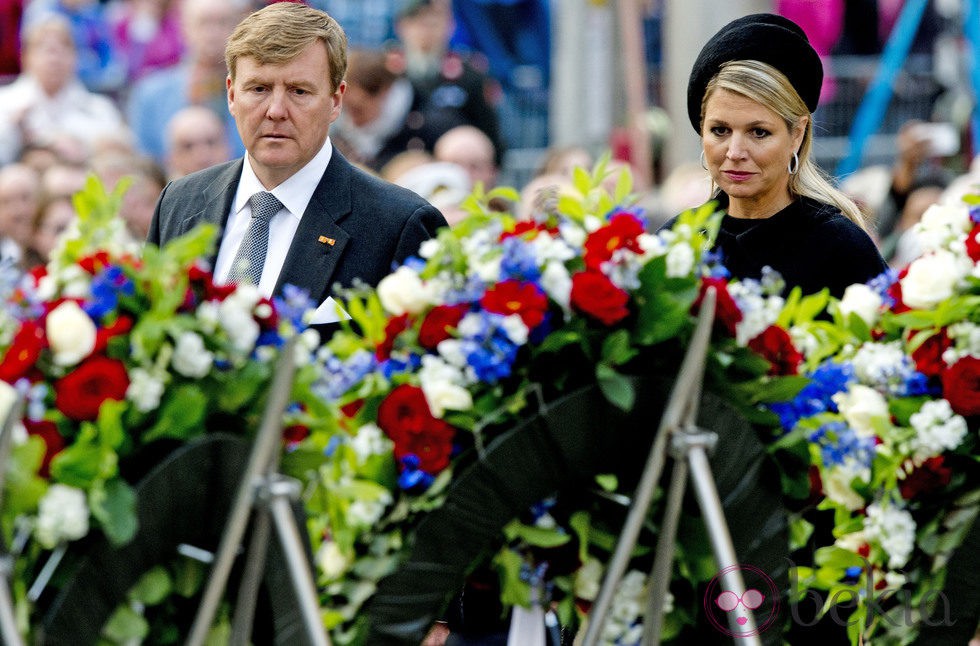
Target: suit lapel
[[216, 204], [319, 241]]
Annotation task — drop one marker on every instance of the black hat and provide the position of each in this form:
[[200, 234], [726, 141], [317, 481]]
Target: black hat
[[764, 37]]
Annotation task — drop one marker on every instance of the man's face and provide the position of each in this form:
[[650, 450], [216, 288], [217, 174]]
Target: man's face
[[197, 143], [284, 112], [19, 192]]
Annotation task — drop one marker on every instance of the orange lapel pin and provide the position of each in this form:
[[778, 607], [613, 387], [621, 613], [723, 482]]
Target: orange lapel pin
[[326, 240]]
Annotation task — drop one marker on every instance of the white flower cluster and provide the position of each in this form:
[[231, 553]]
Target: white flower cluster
[[884, 366], [893, 529], [370, 440], [966, 342], [937, 428], [62, 516], [759, 310], [943, 227], [933, 278], [624, 624]]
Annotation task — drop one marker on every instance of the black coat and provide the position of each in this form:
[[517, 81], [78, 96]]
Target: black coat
[[812, 245]]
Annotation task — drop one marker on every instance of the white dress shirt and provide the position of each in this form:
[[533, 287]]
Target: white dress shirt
[[295, 194]]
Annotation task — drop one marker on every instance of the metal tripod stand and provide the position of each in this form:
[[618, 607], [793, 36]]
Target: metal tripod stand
[[689, 445], [264, 496]]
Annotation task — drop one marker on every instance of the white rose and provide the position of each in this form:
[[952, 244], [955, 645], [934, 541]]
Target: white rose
[[954, 217], [331, 561], [71, 333], [191, 358], [403, 292], [862, 407], [557, 283], [837, 486], [861, 300], [443, 396], [62, 516], [8, 395], [930, 280]]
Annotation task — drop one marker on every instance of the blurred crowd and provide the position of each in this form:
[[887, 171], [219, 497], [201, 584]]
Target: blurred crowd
[[137, 88]]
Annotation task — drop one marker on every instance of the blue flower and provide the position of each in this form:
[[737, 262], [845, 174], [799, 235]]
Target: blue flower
[[882, 283], [293, 304], [839, 444], [519, 261], [107, 287], [826, 380], [411, 477], [340, 376]]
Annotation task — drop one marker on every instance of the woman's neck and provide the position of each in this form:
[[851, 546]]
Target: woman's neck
[[758, 208]]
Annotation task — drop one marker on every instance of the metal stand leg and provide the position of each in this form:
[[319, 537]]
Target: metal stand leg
[[8, 622], [689, 446], [260, 475]]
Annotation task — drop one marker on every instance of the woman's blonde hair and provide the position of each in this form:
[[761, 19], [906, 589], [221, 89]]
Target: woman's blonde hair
[[767, 86], [278, 33]]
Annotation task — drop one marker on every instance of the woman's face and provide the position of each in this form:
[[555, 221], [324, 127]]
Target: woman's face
[[748, 148]]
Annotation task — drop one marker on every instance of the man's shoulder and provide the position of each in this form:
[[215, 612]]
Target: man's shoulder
[[193, 185]]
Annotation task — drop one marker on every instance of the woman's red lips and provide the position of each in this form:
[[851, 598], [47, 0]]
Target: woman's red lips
[[737, 175]]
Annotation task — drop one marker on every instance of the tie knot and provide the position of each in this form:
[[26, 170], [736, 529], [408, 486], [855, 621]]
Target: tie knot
[[264, 205]]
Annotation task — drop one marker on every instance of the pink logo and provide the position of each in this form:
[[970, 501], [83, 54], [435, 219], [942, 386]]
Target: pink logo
[[761, 597]]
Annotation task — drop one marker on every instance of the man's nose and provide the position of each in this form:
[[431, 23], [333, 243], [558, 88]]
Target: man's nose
[[277, 105]]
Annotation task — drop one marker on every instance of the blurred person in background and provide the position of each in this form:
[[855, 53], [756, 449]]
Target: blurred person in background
[[195, 140], [451, 90], [199, 79], [147, 35], [47, 102], [145, 180], [20, 190], [368, 23], [54, 215], [562, 160], [101, 68], [381, 116], [471, 148]]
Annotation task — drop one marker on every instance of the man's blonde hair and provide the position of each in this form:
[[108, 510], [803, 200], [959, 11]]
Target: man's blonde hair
[[278, 33]]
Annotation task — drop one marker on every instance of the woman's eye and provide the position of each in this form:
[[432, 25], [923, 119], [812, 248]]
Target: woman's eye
[[760, 132], [719, 131]]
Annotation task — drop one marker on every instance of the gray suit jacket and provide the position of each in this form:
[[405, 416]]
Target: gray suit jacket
[[356, 225]]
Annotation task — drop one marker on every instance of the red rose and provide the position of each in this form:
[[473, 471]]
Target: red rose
[[961, 386], [80, 393], [594, 294], [727, 313], [405, 417], [928, 477], [775, 346], [972, 244], [895, 292], [395, 326], [438, 322], [621, 233], [271, 320], [516, 297], [53, 442], [23, 352], [295, 434], [928, 357]]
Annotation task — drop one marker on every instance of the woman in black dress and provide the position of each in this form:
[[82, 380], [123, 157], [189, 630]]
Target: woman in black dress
[[750, 97]]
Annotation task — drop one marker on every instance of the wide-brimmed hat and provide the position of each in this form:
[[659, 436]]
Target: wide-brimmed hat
[[764, 37]]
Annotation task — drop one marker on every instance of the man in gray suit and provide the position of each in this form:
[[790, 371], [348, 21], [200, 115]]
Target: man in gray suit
[[325, 222]]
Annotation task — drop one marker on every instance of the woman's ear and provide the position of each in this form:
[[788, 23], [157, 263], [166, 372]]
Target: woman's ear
[[799, 131]]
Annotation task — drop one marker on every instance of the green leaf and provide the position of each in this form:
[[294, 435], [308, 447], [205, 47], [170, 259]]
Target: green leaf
[[126, 625], [153, 587], [181, 414], [616, 348], [514, 591], [23, 488], [617, 388], [536, 536], [607, 481], [114, 505]]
